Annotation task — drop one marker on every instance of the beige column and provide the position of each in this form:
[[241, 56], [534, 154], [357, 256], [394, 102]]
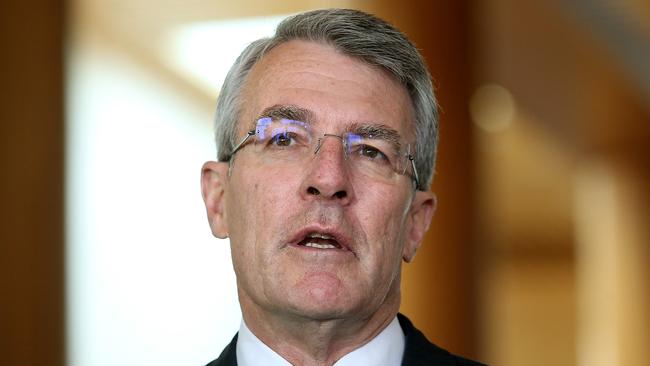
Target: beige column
[[613, 263]]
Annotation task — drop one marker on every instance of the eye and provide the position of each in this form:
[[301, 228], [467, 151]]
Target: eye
[[372, 153], [284, 139]]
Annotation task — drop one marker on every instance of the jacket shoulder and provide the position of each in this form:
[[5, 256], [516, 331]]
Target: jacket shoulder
[[228, 356], [419, 351]]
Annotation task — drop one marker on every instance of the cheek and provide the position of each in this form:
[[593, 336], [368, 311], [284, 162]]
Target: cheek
[[259, 205], [384, 223], [242, 217], [247, 210], [386, 209]]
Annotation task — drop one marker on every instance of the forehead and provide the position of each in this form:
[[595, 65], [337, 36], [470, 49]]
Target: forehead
[[337, 89]]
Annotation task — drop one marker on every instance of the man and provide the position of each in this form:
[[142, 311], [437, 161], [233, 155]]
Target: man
[[326, 138]]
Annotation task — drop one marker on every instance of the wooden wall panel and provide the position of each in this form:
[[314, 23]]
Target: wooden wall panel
[[31, 183], [563, 239]]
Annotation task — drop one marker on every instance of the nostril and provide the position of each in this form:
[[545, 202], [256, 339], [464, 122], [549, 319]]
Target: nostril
[[340, 194], [313, 191]]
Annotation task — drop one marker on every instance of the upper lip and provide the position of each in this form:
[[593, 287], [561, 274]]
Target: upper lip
[[340, 237]]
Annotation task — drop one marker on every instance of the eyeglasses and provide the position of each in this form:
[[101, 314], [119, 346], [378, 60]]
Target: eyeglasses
[[370, 150]]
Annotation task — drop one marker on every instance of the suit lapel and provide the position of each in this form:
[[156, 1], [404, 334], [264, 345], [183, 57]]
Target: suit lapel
[[418, 351], [229, 355]]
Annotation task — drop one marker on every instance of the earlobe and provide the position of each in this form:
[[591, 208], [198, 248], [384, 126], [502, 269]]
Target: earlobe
[[420, 215], [214, 182]]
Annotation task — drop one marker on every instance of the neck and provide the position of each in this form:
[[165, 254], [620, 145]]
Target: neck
[[303, 341]]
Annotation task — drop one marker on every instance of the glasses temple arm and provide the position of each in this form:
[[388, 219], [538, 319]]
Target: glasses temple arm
[[241, 144], [415, 172]]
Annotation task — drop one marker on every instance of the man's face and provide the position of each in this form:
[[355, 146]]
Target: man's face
[[271, 211]]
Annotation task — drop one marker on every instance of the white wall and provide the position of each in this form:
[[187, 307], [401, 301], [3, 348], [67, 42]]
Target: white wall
[[147, 284]]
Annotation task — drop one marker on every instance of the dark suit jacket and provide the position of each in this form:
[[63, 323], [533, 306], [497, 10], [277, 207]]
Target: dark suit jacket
[[417, 352]]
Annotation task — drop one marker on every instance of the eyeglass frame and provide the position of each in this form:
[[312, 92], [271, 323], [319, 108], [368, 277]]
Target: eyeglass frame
[[251, 133]]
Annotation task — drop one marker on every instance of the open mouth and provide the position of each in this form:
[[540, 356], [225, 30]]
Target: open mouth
[[320, 241]]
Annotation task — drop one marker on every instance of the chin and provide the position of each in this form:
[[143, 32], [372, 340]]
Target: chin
[[321, 301], [315, 311]]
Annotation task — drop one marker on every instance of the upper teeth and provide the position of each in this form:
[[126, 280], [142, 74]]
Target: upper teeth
[[320, 236]]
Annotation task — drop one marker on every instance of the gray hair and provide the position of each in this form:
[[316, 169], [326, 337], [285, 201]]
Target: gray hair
[[359, 35]]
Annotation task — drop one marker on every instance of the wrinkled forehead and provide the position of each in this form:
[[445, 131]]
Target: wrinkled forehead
[[334, 89]]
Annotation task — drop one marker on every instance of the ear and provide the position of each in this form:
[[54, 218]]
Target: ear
[[214, 182], [420, 214]]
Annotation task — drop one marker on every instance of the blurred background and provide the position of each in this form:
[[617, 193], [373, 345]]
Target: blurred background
[[539, 251]]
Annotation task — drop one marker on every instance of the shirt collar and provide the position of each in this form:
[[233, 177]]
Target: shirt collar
[[385, 349]]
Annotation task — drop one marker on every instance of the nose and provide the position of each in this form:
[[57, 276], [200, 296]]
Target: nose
[[328, 176]]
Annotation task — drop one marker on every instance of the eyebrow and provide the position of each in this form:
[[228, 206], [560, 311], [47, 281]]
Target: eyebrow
[[376, 132], [291, 112]]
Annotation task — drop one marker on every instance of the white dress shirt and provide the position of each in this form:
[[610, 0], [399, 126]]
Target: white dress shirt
[[385, 349]]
